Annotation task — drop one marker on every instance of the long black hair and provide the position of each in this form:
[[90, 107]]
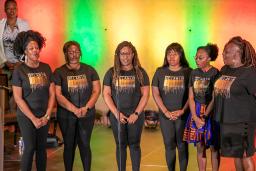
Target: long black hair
[[179, 49]]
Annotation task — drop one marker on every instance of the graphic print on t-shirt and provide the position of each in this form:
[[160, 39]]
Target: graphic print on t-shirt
[[222, 86], [77, 83], [173, 83], [125, 83], [37, 80], [201, 84]]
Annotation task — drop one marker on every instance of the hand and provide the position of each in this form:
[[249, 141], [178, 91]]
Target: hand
[[167, 114], [44, 121], [10, 65], [132, 118], [199, 122], [17, 64], [171, 115], [83, 111], [77, 112], [37, 122], [178, 113], [123, 118]]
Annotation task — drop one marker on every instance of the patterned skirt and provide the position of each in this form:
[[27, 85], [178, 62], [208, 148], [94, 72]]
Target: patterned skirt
[[192, 134]]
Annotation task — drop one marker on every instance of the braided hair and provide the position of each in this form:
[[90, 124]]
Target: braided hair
[[247, 52], [135, 62]]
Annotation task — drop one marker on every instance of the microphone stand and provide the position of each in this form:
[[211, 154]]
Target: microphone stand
[[118, 124]]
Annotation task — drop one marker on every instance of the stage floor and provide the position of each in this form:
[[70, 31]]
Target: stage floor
[[103, 154]]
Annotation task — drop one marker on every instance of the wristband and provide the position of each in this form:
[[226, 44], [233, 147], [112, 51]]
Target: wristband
[[47, 117], [136, 113]]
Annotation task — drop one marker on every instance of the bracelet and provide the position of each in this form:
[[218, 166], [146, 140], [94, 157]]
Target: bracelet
[[136, 113], [47, 116], [88, 109]]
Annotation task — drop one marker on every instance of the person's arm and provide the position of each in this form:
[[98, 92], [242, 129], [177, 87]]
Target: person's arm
[[17, 93], [143, 101], [192, 107], [180, 112], [107, 96], [209, 107], [96, 88], [51, 104], [65, 103], [159, 101]]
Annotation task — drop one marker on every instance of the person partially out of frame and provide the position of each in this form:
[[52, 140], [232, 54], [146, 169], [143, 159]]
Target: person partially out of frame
[[235, 103], [9, 29]]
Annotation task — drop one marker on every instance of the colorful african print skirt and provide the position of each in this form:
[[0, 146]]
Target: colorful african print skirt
[[192, 134]]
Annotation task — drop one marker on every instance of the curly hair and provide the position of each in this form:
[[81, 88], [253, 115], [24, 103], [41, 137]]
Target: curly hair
[[66, 47], [176, 47], [211, 49], [247, 52], [23, 39], [135, 62]]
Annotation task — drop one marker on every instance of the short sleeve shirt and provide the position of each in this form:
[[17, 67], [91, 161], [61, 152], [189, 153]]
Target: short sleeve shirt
[[234, 92], [35, 83], [173, 87], [202, 84], [76, 85], [126, 92]]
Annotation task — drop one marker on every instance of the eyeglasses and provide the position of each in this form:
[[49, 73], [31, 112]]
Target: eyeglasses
[[125, 54], [74, 52]]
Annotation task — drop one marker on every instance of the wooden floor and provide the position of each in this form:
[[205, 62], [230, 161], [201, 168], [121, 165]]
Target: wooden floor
[[103, 149]]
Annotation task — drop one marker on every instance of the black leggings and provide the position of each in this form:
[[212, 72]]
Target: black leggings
[[77, 131], [35, 141], [130, 136], [172, 132]]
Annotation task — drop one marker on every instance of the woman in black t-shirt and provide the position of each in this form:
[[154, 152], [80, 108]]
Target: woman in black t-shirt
[[235, 103], [126, 92], [77, 90], [200, 128], [170, 92], [33, 91]]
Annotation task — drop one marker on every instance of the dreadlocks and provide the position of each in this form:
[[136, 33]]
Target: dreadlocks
[[135, 62], [248, 55]]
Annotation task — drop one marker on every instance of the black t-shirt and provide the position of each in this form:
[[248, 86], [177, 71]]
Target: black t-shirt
[[202, 84], [126, 93], [173, 87], [35, 84], [234, 93], [76, 85]]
